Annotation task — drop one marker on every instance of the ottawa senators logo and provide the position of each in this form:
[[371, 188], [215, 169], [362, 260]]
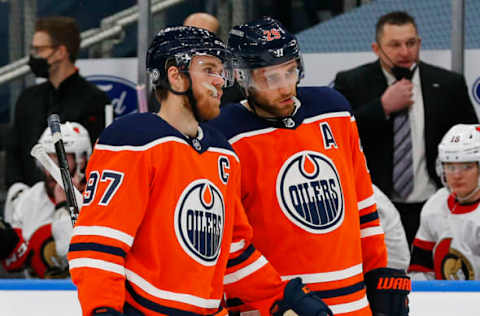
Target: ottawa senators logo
[[199, 220], [45, 256], [451, 264], [309, 192]]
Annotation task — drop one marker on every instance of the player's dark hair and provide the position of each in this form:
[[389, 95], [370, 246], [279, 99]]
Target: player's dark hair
[[160, 91], [62, 31], [393, 18]]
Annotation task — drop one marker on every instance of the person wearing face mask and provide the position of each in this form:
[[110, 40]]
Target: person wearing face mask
[[403, 107], [53, 52]]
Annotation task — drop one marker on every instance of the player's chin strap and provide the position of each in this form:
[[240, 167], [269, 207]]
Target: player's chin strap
[[188, 93], [465, 200]]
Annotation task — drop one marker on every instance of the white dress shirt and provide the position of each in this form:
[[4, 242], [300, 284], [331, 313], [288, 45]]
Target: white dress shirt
[[423, 186]]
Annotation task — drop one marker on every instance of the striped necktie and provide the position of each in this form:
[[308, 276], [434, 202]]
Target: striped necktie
[[402, 155]]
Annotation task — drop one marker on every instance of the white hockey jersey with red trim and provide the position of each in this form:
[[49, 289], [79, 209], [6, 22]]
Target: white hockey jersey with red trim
[[447, 243], [45, 230], [308, 196]]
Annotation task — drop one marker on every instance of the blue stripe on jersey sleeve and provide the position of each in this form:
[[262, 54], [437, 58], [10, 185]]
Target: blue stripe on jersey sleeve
[[151, 305], [341, 291], [97, 247], [242, 257], [368, 217]]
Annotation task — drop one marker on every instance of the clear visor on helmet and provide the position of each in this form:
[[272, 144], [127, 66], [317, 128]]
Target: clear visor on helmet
[[461, 167], [212, 69], [284, 75]]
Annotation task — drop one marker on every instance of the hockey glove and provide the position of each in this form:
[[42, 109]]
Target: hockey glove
[[387, 291], [299, 298], [14, 250], [106, 311]]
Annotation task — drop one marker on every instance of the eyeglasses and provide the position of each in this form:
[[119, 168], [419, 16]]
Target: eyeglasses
[[37, 49], [461, 167]]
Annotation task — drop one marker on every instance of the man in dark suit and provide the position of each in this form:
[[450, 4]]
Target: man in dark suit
[[429, 99]]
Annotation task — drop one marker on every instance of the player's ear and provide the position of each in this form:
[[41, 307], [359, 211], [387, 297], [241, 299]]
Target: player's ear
[[177, 81]]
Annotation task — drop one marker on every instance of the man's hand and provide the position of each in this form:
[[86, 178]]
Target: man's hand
[[397, 97], [387, 292], [14, 250]]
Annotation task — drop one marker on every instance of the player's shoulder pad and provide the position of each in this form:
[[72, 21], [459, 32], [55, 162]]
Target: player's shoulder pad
[[137, 129], [15, 190], [16, 195], [322, 100], [235, 119], [214, 138]]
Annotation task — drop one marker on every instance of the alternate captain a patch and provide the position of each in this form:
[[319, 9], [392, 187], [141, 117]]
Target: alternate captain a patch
[[199, 221], [309, 192]]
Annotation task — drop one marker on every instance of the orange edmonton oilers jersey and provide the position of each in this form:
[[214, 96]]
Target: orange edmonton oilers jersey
[[308, 196], [162, 230]]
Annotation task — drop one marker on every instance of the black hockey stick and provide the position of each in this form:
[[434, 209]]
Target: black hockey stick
[[54, 124]]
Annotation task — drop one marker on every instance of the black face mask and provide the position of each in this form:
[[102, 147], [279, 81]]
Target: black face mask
[[403, 72], [39, 66], [399, 72]]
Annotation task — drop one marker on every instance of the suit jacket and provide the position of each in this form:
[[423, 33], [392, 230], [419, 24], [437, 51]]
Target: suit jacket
[[446, 103]]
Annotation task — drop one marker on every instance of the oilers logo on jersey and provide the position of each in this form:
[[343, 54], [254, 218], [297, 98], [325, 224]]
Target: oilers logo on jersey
[[309, 192], [199, 220]]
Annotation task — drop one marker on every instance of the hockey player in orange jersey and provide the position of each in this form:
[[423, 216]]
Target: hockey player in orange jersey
[[305, 185], [162, 230]]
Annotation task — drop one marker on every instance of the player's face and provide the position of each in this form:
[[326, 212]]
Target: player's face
[[208, 79], [273, 89], [400, 43], [462, 177], [49, 181]]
